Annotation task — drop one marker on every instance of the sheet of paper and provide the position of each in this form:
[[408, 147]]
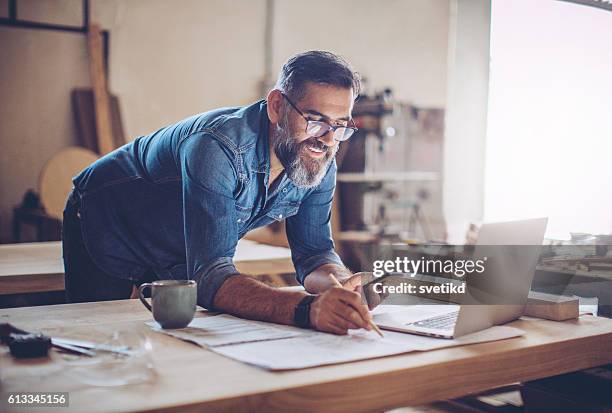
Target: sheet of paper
[[317, 349], [314, 349], [224, 329], [278, 347]]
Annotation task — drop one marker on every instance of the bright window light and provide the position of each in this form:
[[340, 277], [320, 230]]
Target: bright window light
[[549, 137]]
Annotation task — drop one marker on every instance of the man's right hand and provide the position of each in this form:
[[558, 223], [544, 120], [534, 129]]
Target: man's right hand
[[338, 310]]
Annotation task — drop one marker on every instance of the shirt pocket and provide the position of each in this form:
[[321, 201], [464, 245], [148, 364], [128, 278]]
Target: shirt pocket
[[276, 213], [243, 215], [282, 211]]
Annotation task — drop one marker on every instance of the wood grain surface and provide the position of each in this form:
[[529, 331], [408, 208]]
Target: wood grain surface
[[191, 379], [38, 267]]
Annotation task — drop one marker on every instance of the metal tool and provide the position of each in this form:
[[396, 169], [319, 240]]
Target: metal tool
[[123, 350], [6, 329]]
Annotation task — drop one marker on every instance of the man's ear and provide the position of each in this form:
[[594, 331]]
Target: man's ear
[[274, 105]]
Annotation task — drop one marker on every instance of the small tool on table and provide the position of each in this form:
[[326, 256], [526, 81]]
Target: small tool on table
[[24, 344]]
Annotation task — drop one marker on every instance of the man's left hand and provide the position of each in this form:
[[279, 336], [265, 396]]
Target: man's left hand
[[353, 283], [357, 281]]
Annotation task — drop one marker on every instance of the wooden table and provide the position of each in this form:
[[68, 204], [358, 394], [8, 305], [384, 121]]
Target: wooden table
[[38, 267], [192, 379]]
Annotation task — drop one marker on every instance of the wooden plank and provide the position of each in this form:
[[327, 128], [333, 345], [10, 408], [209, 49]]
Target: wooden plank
[[552, 307], [85, 118], [84, 114], [116, 122], [38, 267], [100, 90], [547, 348], [32, 283], [55, 180]]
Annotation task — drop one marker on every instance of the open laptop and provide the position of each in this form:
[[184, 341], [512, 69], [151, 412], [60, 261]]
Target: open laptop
[[509, 275]]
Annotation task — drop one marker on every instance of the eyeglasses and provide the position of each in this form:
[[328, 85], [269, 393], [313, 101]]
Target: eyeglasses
[[318, 128]]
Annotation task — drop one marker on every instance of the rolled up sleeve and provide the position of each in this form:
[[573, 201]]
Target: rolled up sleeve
[[309, 231], [211, 234]]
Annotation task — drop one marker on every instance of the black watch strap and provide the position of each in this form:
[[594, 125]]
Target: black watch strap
[[301, 316]]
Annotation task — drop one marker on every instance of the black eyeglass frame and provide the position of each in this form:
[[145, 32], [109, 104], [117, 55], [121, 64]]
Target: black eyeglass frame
[[333, 128]]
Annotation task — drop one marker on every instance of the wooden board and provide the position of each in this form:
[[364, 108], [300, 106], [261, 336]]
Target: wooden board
[[552, 307], [38, 267], [85, 117], [104, 131], [31, 267], [191, 379], [55, 180]]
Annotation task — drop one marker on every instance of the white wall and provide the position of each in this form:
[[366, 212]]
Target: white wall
[[466, 116], [37, 71], [398, 43], [170, 60]]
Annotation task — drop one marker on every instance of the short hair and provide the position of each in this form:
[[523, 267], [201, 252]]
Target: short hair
[[320, 67]]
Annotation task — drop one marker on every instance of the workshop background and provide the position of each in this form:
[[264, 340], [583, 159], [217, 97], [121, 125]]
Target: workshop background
[[461, 119]]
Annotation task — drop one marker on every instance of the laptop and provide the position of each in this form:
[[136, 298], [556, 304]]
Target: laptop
[[510, 272]]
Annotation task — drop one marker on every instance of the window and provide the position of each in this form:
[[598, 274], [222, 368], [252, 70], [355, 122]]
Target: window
[[549, 137]]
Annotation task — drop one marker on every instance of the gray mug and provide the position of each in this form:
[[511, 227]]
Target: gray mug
[[173, 302]]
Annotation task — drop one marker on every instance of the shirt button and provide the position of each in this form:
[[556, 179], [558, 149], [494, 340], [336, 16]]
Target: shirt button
[[239, 220], [280, 216], [284, 190]]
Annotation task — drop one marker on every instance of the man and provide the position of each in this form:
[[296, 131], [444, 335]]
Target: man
[[174, 203]]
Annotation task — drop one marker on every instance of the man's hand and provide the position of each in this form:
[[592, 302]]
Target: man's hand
[[356, 283], [352, 283], [338, 310]]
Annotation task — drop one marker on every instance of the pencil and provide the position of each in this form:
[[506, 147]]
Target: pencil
[[372, 324]]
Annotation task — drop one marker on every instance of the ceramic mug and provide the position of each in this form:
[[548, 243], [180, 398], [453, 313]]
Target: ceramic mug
[[173, 302]]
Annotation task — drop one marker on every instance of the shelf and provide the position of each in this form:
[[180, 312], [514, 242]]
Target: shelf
[[410, 176]]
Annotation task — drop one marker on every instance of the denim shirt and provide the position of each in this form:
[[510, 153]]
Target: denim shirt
[[177, 201]]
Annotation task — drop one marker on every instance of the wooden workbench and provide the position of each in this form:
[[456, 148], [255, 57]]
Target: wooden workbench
[[38, 267], [192, 379]]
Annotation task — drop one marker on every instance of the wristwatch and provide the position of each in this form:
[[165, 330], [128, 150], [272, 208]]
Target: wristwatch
[[301, 316]]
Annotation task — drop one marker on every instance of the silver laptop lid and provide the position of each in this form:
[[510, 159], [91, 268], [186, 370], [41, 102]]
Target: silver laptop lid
[[499, 295]]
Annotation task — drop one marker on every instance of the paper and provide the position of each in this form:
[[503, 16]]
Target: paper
[[278, 347], [224, 329], [317, 349], [314, 349]]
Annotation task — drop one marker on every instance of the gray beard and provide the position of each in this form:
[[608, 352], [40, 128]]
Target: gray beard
[[301, 169]]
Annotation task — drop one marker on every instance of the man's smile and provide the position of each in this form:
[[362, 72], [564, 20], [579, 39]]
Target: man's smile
[[315, 149], [315, 152]]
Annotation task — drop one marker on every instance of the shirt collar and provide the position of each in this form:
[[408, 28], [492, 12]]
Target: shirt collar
[[261, 163]]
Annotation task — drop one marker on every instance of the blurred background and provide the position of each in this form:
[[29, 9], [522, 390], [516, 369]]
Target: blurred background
[[164, 61], [472, 110]]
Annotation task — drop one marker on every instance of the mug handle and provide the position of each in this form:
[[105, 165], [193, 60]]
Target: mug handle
[[141, 295]]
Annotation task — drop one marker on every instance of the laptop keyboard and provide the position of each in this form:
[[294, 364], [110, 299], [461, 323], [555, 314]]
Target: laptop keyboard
[[440, 322]]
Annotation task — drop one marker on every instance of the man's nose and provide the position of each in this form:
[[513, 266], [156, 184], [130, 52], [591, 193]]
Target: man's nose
[[328, 138]]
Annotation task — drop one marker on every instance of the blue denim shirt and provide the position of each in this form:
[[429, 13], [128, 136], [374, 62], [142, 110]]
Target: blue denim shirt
[[177, 201]]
